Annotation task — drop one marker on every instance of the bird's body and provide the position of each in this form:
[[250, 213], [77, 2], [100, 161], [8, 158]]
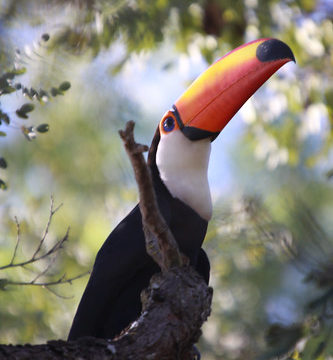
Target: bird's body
[[178, 159], [123, 263]]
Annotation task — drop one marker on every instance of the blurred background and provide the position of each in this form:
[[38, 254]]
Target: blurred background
[[270, 241]]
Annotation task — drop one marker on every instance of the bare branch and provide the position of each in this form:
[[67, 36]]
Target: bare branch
[[52, 291], [59, 281], [46, 231], [34, 258], [17, 240], [50, 255], [156, 230], [45, 271]]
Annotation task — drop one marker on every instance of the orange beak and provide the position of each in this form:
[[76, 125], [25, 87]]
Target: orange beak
[[216, 95]]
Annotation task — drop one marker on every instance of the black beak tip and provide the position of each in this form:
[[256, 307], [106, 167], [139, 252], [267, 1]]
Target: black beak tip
[[274, 49]]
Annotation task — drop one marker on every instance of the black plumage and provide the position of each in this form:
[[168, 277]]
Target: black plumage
[[122, 268]]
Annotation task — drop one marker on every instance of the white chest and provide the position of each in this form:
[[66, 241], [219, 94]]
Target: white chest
[[183, 166]]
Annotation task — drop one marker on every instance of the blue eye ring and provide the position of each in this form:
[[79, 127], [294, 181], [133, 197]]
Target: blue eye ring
[[168, 124]]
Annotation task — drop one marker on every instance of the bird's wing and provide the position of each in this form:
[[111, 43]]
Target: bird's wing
[[122, 256]]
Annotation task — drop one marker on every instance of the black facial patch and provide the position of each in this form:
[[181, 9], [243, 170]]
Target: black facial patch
[[274, 49], [194, 133]]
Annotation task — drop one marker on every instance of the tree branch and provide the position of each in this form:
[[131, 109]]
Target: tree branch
[[160, 244], [35, 257], [18, 237], [50, 254], [46, 231], [61, 280]]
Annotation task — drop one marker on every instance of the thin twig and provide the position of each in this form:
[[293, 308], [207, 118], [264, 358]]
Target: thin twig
[[18, 236], [50, 254], [59, 281], [45, 271], [46, 231], [168, 254], [52, 291], [33, 259]]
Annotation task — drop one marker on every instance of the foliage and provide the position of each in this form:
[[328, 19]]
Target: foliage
[[261, 250], [9, 85], [273, 270]]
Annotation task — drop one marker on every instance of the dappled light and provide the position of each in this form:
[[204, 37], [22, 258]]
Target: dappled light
[[74, 72]]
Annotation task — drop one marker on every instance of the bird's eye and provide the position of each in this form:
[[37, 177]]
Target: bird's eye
[[168, 124]]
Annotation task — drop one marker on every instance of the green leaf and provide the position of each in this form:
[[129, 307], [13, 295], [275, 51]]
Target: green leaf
[[282, 339], [3, 186], [55, 92], [33, 92], [43, 128], [24, 109], [28, 107], [21, 114], [64, 86], [43, 95], [4, 117], [115, 70], [8, 76], [6, 81], [3, 163], [46, 37], [20, 71], [7, 90], [26, 92], [2, 133]]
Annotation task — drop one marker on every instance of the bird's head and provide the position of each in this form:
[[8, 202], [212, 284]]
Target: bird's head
[[204, 109]]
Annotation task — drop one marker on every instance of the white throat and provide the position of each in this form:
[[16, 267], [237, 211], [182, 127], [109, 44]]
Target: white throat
[[183, 166]]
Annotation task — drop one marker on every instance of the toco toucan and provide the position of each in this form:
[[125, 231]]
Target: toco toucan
[[178, 159]]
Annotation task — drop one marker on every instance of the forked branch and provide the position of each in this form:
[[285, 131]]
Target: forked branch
[[39, 255]]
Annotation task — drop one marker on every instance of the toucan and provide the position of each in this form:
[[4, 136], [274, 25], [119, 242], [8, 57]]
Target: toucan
[[178, 159]]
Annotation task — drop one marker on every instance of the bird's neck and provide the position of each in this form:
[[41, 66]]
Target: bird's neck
[[183, 166]]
